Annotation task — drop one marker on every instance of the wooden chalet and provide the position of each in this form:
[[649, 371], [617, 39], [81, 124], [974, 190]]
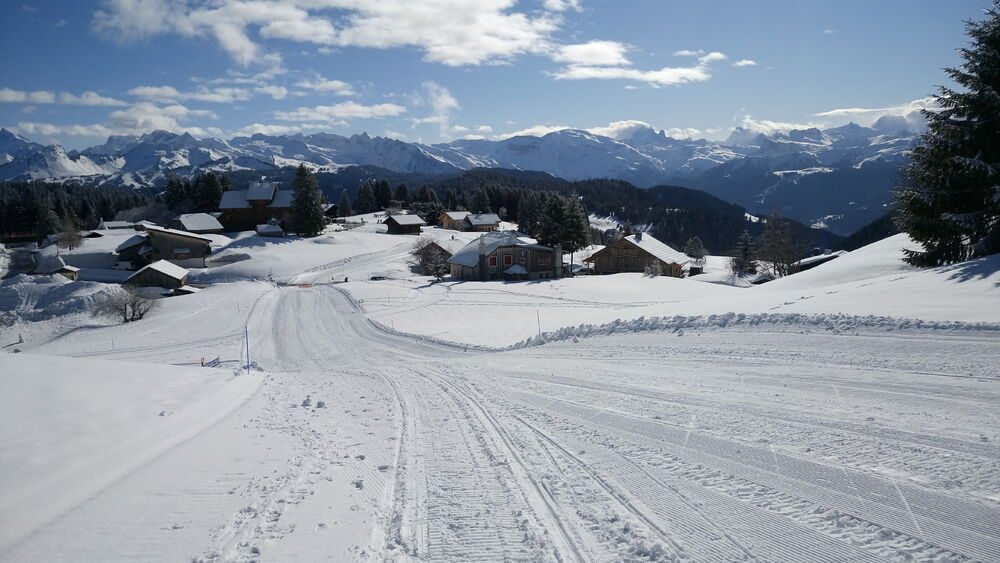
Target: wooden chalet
[[197, 223], [638, 253], [159, 243], [158, 274], [52, 265], [242, 210], [481, 222], [452, 219], [404, 224], [505, 255]]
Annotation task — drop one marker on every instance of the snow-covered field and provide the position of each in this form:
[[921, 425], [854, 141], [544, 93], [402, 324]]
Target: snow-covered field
[[847, 413]]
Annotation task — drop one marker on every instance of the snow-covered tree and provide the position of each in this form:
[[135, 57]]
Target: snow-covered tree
[[950, 198], [307, 209], [69, 237], [344, 205], [694, 248], [744, 260]]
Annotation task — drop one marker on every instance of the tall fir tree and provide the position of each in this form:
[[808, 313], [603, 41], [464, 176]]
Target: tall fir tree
[[366, 202], [576, 229], [46, 220], [744, 260], [224, 182], [383, 193], [401, 194], [451, 199], [950, 198], [344, 205], [209, 192], [307, 211], [176, 196], [481, 202]]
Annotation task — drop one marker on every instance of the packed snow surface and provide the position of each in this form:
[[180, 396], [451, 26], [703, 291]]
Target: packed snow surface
[[846, 413]]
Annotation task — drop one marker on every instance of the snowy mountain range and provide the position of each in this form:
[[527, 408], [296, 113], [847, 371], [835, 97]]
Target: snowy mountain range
[[838, 178]]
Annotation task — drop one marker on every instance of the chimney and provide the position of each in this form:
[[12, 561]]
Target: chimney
[[638, 237]]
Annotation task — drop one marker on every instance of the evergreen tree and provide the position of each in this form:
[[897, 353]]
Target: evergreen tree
[[401, 194], [383, 193], [46, 220], [366, 202], [451, 199], [344, 205], [307, 211], [528, 213], [224, 183], [480, 202], [576, 228], [950, 198], [176, 196], [694, 248], [550, 231], [209, 192], [744, 260]]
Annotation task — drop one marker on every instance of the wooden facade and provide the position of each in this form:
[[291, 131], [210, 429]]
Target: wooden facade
[[158, 274], [452, 220], [624, 255], [179, 247], [403, 224], [513, 262]]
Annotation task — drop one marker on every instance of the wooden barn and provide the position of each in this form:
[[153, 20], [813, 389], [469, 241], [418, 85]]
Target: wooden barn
[[242, 210], [638, 253], [481, 222], [197, 223], [504, 255], [180, 247], [452, 219], [54, 264], [158, 274], [404, 224]]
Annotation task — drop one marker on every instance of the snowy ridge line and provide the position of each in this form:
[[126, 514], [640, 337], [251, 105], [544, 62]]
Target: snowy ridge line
[[835, 322]]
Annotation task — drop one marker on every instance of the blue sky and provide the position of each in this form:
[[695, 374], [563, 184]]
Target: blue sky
[[437, 70]]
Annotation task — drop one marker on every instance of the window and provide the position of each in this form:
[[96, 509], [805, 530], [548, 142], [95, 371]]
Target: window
[[493, 261], [523, 260], [543, 260], [508, 260]]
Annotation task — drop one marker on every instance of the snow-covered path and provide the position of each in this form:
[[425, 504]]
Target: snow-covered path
[[721, 445]]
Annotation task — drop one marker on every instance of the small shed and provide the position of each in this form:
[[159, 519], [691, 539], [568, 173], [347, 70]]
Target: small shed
[[197, 223], [158, 274], [404, 224], [330, 210], [270, 229], [52, 265]]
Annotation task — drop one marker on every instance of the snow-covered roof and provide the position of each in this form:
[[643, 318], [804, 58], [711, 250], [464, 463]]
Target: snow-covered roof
[[234, 200], [51, 265], [186, 289], [115, 225], [175, 232], [199, 222], [456, 215], [282, 198], [168, 269], [269, 228], [658, 249], [130, 242], [820, 258], [469, 254], [407, 219], [480, 219], [260, 191]]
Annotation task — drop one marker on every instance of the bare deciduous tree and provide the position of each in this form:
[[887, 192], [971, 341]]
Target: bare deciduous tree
[[124, 303], [69, 236]]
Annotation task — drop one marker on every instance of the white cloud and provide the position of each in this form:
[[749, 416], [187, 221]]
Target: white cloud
[[684, 133], [666, 76], [276, 92], [339, 112], [88, 98], [222, 95], [593, 53], [829, 31], [562, 5], [466, 32], [136, 119], [770, 127], [689, 53], [442, 105], [745, 62], [620, 129], [282, 129], [871, 114], [484, 129], [326, 86], [533, 131]]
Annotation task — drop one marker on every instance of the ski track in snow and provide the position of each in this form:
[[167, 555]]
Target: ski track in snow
[[718, 446]]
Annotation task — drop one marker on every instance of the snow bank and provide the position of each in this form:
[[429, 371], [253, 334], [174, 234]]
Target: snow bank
[[34, 298], [70, 427], [834, 323]]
